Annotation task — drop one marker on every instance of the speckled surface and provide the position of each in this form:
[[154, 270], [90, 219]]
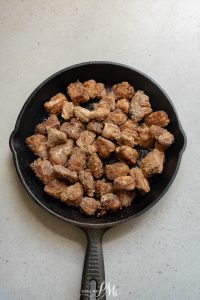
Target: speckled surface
[[155, 256]]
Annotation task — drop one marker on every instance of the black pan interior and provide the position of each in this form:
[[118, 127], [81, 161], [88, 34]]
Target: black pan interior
[[32, 113]]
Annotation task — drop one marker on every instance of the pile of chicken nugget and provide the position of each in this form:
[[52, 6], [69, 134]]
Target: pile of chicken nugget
[[74, 145]]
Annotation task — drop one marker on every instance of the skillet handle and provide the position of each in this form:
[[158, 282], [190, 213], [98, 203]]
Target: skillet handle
[[93, 277]]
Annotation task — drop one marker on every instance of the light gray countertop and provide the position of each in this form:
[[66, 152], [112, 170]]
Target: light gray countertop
[[156, 256]]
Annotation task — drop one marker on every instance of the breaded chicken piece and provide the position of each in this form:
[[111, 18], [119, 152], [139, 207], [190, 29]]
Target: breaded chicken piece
[[124, 183], [43, 169], [94, 89], [52, 122], [129, 124], [87, 181], [109, 99], [123, 104], [95, 126], [101, 104], [86, 142], [100, 113], [55, 104], [145, 138], [127, 137], [67, 110], [117, 169], [139, 106], [55, 137], [127, 153], [82, 114], [102, 187], [163, 136], [159, 147], [38, 145], [73, 128], [116, 117], [60, 153], [152, 163], [55, 188], [104, 147], [72, 195], [141, 183], [89, 206], [64, 173], [111, 131], [125, 197], [123, 90], [77, 160], [77, 93], [109, 202], [95, 166], [159, 118]]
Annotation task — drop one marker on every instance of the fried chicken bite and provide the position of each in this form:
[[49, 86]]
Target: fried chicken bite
[[159, 118], [43, 169], [125, 197], [163, 136], [109, 202], [124, 183], [52, 122], [95, 165], [82, 114], [94, 89], [111, 131], [95, 126], [159, 147], [55, 188], [123, 104], [102, 187], [127, 153], [65, 174], [89, 206], [115, 170], [152, 163], [55, 137], [116, 117], [129, 124], [87, 181], [109, 99], [77, 93], [127, 137], [145, 138], [123, 90], [55, 104], [86, 142], [104, 147], [38, 145], [141, 183], [73, 128], [139, 106], [77, 160], [67, 110], [100, 113], [59, 154], [72, 195]]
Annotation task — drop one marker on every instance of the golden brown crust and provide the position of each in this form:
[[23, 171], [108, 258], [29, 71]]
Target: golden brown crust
[[95, 126], [43, 169], [152, 163], [77, 160], [123, 90], [141, 183], [95, 165], [117, 117], [111, 131], [77, 93], [117, 169], [64, 173], [104, 147], [55, 188], [38, 145], [52, 121], [89, 206], [125, 197], [139, 106], [127, 153], [94, 89], [73, 128], [123, 104], [72, 195], [159, 118], [87, 181], [124, 183], [55, 137], [59, 154], [55, 104], [102, 187], [163, 136]]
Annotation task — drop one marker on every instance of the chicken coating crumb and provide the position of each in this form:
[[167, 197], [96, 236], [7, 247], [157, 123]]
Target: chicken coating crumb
[[82, 114], [89, 206], [127, 137], [127, 153], [55, 188], [55, 137], [109, 99], [159, 118], [145, 138], [72, 195], [95, 165], [67, 110], [111, 131], [123, 90], [141, 183], [117, 169], [117, 117], [109, 202], [87, 181], [129, 124], [102, 187], [77, 93], [55, 104], [60, 153], [52, 122], [163, 136], [123, 104], [77, 160], [124, 183], [125, 197], [104, 147], [64, 173], [139, 106], [86, 142], [100, 113], [95, 126], [43, 169], [38, 145], [152, 163], [94, 89], [73, 128]]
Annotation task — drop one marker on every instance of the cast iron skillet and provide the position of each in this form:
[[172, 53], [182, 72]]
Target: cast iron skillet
[[32, 113]]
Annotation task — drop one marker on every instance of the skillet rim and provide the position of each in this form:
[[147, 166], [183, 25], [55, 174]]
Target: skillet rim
[[88, 224]]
